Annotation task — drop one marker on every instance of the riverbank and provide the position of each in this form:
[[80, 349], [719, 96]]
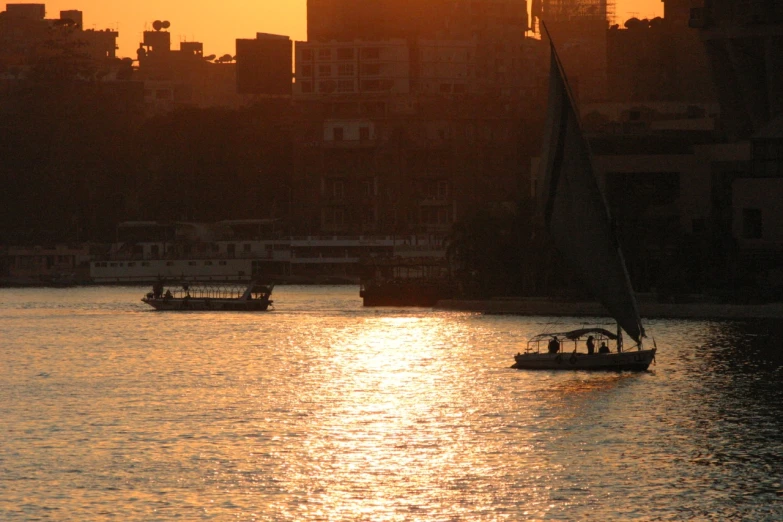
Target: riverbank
[[647, 309], [316, 280]]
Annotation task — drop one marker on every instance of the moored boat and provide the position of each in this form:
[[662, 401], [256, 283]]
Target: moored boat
[[254, 297], [398, 281]]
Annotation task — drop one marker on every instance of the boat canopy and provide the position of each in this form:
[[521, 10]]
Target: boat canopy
[[573, 335]]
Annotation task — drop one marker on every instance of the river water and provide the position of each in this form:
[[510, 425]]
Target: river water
[[324, 410]]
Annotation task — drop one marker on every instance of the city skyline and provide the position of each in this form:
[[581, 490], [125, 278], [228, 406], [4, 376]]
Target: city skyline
[[219, 28]]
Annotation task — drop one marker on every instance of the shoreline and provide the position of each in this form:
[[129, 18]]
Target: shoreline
[[648, 310]]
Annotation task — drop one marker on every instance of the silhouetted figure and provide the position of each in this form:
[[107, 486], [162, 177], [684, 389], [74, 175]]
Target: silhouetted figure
[[554, 345], [590, 345], [603, 348]]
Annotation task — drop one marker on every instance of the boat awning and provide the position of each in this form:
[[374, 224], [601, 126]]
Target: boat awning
[[577, 334]]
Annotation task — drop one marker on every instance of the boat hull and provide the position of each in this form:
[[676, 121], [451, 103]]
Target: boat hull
[[212, 305], [636, 360], [402, 294]]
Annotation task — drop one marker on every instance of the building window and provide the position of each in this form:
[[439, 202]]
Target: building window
[[444, 217], [345, 69], [345, 86], [751, 223], [460, 88], [371, 85], [445, 87], [307, 55], [371, 69], [338, 133], [442, 190], [246, 247], [369, 215], [345, 54], [768, 157], [367, 187], [324, 54], [307, 87], [371, 53], [364, 133], [326, 86], [307, 70], [324, 70], [334, 216], [337, 188]]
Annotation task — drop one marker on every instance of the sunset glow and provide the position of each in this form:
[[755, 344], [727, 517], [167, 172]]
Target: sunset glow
[[219, 24]]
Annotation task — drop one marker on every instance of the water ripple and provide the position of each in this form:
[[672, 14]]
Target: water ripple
[[323, 410]]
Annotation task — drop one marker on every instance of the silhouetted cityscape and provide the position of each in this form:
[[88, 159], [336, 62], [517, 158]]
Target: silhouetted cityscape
[[399, 129]]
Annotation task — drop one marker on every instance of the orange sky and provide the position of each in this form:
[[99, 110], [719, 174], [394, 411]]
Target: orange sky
[[218, 23]]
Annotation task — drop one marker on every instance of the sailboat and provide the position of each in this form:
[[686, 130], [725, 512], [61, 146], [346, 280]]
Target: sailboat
[[575, 213]]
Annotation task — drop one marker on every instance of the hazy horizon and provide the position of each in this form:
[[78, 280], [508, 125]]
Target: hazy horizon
[[218, 28]]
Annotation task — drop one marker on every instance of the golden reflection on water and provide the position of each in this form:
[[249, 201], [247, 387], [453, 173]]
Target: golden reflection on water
[[379, 434], [323, 410]]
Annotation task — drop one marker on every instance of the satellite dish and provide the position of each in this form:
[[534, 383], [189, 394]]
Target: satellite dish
[[166, 24], [157, 25]]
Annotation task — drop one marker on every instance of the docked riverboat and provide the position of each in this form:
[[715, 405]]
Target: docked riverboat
[[254, 297], [399, 281]]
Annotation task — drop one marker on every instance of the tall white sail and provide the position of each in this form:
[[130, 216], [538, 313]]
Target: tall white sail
[[574, 209]]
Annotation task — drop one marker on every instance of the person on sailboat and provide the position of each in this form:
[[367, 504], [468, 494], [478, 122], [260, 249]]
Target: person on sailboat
[[603, 348], [590, 345], [554, 345]]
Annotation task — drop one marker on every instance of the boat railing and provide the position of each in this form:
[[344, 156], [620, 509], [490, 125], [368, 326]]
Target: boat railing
[[540, 344], [207, 292], [198, 256]]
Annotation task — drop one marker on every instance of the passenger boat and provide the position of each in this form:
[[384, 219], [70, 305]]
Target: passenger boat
[[210, 296], [574, 212], [603, 351]]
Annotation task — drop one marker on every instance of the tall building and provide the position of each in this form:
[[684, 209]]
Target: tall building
[[744, 41], [25, 31], [346, 20], [659, 60], [578, 30], [264, 65], [409, 112]]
